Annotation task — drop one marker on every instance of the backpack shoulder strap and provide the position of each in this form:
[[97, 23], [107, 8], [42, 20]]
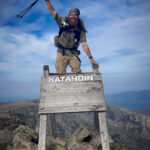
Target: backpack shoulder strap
[[64, 26], [77, 37]]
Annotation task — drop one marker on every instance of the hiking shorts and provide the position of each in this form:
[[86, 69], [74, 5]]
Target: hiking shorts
[[63, 61]]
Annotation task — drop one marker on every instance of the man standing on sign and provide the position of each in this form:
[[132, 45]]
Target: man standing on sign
[[71, 34]]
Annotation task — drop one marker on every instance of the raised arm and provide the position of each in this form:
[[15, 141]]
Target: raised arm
[[87, 51], [50, 7]]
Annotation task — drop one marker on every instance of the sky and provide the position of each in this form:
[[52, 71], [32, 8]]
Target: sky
[[118, 37]]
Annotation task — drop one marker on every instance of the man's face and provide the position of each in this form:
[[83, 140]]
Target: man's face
[[73, 19]]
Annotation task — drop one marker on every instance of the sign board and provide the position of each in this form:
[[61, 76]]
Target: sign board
[[71, 93]]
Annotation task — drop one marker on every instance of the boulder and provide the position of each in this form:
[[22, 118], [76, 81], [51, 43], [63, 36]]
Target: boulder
[[25, 138], [81, 134], [7, 126], [59, 147], [80, 146], [52, 142], [21, 142], [80, 140], [95, 139], [61, 141], [28, 132]]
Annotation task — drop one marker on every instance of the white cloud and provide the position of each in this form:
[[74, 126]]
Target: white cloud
[[94, 9], [23, 53], [128, 33], [124, 35], [112, 9]]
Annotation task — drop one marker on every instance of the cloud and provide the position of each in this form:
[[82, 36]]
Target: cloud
[[114, 40], [9, 10], [23, 53], [111, 9]]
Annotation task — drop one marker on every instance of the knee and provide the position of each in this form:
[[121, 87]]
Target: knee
[[60, 68], [61, 63], [75, 65], [76, 70]]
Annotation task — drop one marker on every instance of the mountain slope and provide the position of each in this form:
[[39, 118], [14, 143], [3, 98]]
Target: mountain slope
[[125, 126]]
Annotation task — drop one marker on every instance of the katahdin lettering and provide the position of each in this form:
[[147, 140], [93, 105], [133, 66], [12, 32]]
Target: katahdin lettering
[[70, 78]]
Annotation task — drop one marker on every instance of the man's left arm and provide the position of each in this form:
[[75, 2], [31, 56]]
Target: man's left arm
[[87, 51]]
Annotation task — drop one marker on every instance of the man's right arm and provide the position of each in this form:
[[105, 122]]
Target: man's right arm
[[50, 7]]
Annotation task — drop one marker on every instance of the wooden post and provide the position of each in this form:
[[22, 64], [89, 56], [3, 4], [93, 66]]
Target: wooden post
[[96, 121], [52, 116], [53, 125], [103, 130], [45, 71], [42, 132], [95, 68], [100, 122]]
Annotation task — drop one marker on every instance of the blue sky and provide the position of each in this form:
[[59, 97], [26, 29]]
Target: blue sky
[[118, 36]]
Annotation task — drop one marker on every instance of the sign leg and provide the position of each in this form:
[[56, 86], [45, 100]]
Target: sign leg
[[103, 130], [42, 132], [53, 125], [96, 121]]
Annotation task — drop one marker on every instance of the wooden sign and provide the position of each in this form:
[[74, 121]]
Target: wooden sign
[[71, 93]]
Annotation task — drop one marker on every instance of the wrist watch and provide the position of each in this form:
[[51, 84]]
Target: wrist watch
[[90, 57]]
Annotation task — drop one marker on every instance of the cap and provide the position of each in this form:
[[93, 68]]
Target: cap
[[74, 10]]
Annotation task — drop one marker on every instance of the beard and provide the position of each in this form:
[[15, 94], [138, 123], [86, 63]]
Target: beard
[[73, 21]]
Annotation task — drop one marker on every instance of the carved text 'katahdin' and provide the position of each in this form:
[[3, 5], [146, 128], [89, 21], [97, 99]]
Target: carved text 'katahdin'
[[73, 78]]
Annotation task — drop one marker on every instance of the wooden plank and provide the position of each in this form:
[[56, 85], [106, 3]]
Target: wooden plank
[[70, 103], [42, 132], [73, 88], [75, 108], [103, 130]]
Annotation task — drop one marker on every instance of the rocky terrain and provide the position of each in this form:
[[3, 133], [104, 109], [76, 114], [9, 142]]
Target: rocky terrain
[[21, 137], [126, 127]]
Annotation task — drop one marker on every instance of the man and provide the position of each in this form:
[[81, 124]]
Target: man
[[72, 33]]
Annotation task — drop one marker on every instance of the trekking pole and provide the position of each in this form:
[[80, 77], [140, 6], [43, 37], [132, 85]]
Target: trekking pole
[[20, 15]]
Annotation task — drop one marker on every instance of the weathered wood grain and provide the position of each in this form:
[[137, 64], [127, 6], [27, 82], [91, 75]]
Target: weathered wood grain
[[96, 121], [73, 109], [42, 132], [83, 94], [53, 125], [103, 131]]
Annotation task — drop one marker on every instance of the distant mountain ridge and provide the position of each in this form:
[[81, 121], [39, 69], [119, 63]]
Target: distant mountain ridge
[[139, 100], [125, 126], [136, 100]]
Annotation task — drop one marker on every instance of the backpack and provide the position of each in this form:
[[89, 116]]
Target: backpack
[[65, 27]]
